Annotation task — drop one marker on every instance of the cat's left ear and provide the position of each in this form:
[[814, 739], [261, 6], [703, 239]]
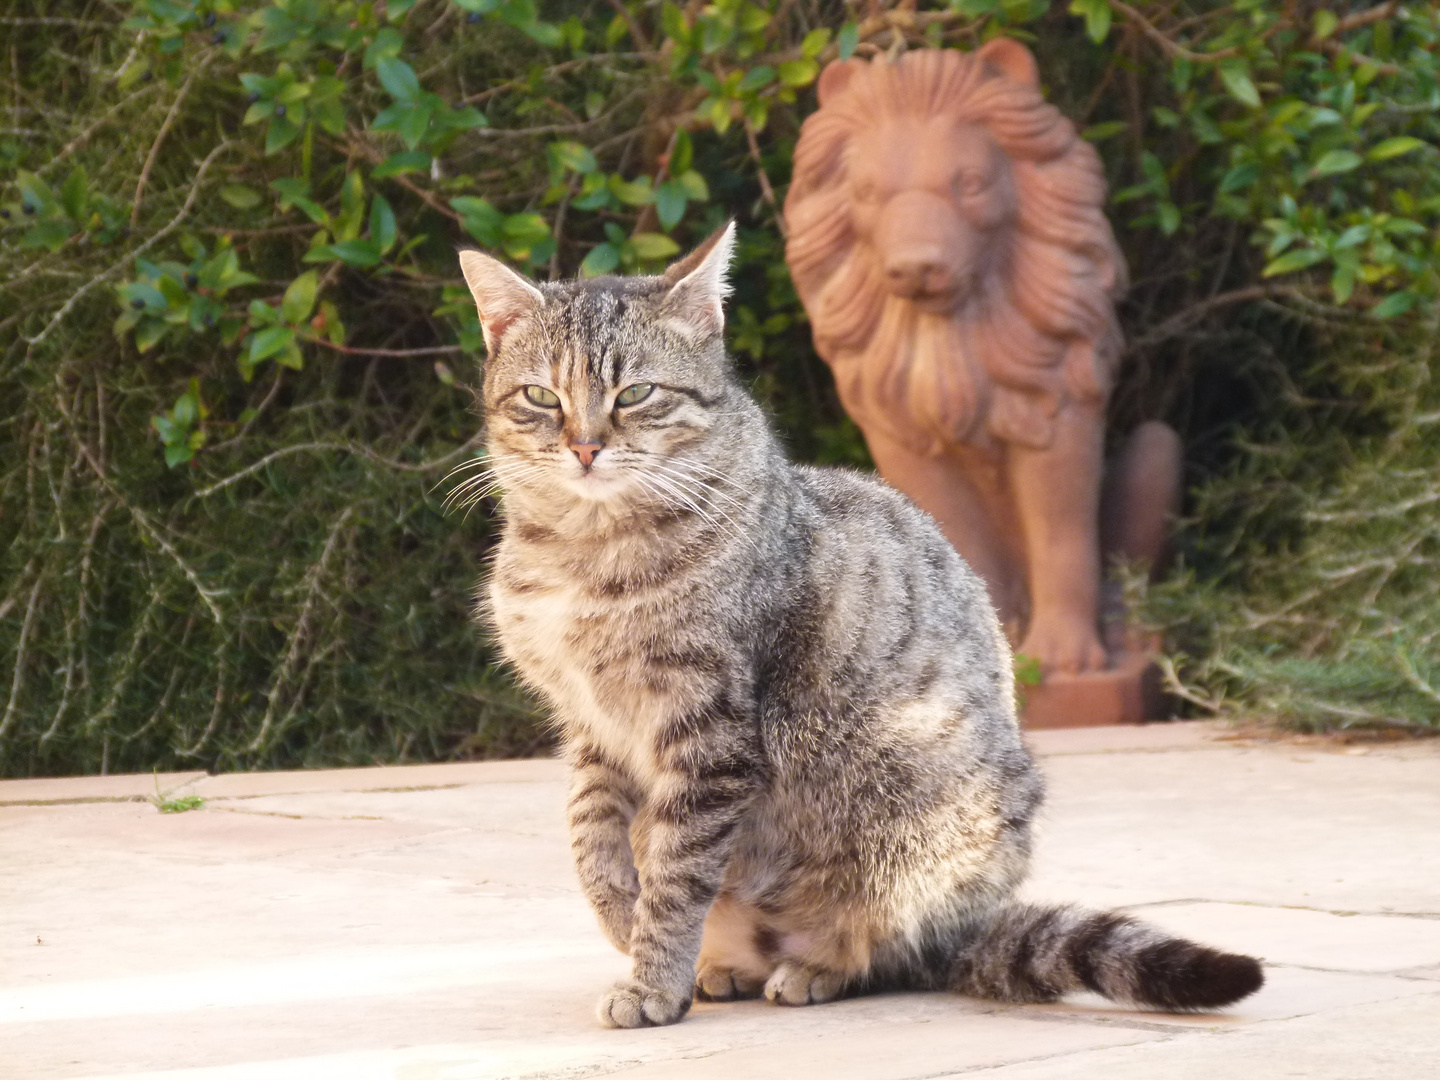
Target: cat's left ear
[[700, 282]]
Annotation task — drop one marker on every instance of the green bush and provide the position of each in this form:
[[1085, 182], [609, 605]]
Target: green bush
[[235, 371]]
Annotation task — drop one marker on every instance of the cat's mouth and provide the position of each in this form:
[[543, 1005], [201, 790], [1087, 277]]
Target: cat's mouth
[[594, 484]]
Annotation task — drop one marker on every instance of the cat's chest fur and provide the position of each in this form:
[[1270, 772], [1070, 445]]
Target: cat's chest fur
[[593, 656]]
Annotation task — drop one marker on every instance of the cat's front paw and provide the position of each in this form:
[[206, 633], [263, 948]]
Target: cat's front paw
[[631, 1004]]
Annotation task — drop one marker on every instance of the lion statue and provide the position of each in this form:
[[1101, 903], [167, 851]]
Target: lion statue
[[947, 238]]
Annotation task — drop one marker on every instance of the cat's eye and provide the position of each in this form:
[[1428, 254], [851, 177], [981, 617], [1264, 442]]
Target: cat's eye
[[634, 394], [538, 395]]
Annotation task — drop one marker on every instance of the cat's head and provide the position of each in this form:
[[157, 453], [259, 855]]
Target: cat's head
[[608, 391]]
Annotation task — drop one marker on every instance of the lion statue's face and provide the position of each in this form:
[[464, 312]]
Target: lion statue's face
[[933, 199], [947, 237]]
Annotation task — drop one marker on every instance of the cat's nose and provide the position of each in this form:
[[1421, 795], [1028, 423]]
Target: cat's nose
[[585, 451]]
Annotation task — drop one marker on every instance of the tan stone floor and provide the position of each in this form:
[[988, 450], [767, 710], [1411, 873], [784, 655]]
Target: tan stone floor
[[423, 923]]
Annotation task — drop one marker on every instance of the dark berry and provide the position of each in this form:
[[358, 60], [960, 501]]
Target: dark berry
[[473, 17], [5, 214], [137, 304], [29, 208], [279, 110], [209, 20], [254, 97], [219, 38], [191, 280]]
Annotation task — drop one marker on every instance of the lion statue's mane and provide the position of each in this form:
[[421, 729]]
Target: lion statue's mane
[[1039, 334]]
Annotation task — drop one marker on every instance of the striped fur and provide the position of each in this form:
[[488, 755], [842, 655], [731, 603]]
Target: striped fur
[[787, 703]]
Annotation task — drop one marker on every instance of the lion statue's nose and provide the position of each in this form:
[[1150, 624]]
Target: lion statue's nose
[[918, 274]]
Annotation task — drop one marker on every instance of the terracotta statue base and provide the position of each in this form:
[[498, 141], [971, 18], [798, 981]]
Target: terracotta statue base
[[1127, 692]]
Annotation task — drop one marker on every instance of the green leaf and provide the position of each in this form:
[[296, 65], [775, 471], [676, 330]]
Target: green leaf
[[573, 156], [798, 72], [299, 298], [849, 38], [756, 78], [407, 161], [1392, 148], [149, 334], [682, 156], [1325, 23], [74, 196], [602, 259], [1342, 284], [1299, 259], [632, 193], [240, 197], [1239, 177], [653, 245], [178, 454], [1336, 161], [814, 42], [398, 78], [670, 200], [464, 119], [479, 218], [382, 223], [291, 357], [352, 207], [1098, 17], [386, 46], [266, 343], [50, 235], [1100, 132], [547, 34], [356, 252], [675, 26], [1395, 304], [695, 186], [1168, 216], [152, 298], [1235, 74], [522, 233], [1356, 234], [413, 123], [281, 134]]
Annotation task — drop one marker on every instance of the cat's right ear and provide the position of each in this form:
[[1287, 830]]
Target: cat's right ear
[[501, 295]]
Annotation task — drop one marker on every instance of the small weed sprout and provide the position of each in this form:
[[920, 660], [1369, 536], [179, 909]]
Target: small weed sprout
[[178, 805]]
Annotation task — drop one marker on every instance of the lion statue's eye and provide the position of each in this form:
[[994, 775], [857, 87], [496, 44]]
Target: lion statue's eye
[[538, 395], [970, 183], [633, 395]]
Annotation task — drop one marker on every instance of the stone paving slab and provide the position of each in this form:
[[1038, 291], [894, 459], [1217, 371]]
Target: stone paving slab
[[423, 922], [128, 787]]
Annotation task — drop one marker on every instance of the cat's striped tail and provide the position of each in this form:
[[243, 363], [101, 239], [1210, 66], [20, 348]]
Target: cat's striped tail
[[1034, 952]]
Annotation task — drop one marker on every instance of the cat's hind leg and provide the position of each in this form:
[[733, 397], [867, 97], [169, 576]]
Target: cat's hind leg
[[794, 983], [820, 965], [736, 954]]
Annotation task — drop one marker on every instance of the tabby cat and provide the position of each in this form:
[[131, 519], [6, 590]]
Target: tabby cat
[[786, 702]]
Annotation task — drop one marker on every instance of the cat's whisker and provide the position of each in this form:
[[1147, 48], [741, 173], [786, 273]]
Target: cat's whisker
[[710, 516], [683, 475], [499, 476], [712, 496], [686, 501]]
